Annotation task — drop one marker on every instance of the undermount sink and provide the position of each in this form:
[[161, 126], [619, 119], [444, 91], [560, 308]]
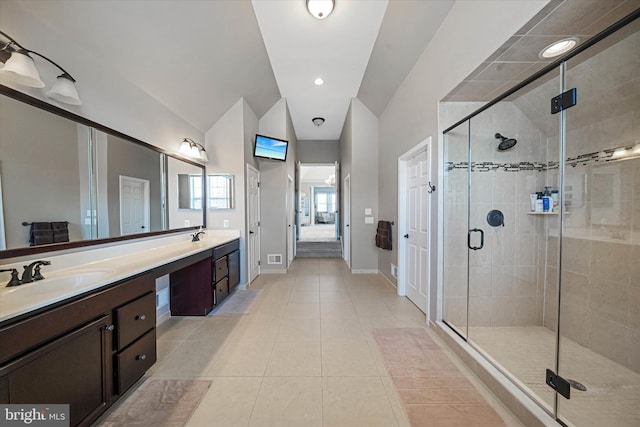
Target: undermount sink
[[57, 283]]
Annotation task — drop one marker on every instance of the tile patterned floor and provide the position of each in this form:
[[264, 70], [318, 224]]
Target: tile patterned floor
[[319, 349], [612, 397]]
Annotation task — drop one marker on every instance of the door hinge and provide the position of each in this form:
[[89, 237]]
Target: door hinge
[[258, 223], [258, 184], [563, 101], [558, 383], [258, 262]]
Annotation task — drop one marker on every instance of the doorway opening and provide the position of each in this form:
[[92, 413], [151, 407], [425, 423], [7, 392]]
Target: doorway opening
[[318, 203], [318, 214]]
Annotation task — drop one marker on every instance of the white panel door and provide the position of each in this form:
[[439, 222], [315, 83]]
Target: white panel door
[[253, 209], [346, 211], [134, 207], [417, 236]]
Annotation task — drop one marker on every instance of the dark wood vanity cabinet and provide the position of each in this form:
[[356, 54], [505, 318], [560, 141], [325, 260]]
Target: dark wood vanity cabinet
[[190, 293], [79, 352], [198, 287], [226, 269], [135, 343]]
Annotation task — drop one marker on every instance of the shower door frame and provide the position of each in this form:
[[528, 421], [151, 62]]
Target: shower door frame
[[559, 64]]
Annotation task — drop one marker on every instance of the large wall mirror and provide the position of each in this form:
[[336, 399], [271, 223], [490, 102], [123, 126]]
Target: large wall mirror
[[67, 182]]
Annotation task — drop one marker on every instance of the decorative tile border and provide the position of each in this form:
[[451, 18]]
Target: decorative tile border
[[506, 167], [597, 157]]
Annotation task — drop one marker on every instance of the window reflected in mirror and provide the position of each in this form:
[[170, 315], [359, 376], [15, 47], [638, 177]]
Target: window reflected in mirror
[[187, 182], [220, 195]]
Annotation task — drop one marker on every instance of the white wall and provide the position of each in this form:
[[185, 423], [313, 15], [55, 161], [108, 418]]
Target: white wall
[[229, 144], [359, 152], [108, 98], [313, 151], [472, 31], [273, 188]]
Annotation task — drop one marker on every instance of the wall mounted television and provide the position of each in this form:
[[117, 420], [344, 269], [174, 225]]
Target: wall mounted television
[[270, 148]]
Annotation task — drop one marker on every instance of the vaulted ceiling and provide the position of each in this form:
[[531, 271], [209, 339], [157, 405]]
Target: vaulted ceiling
[[198, 58]]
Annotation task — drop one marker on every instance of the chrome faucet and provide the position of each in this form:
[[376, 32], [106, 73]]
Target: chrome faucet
[[32, 271]]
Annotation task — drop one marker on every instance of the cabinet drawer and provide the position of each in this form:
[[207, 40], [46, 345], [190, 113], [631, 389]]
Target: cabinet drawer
[[221, 290], [220, 269], [234, 269], [134, 319], [227, 248], [132, 363]]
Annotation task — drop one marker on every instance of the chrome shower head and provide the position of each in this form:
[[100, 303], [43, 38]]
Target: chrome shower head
[[505, 142]]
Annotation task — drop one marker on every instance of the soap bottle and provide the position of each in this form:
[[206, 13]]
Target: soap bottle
[[547, 203], [555, 196], [539, 204]]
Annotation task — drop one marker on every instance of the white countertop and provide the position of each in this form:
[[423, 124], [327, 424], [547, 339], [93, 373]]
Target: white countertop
[[72, 280]]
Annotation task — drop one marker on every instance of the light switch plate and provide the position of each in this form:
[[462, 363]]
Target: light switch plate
[[368, 220], [368, 211]]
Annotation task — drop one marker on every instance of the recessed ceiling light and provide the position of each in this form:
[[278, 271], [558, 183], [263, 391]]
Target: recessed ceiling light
[[559, 47], [318, 81], [320, 9]]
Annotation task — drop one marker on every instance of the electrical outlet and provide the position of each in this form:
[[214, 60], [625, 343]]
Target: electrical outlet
[[225, 223]]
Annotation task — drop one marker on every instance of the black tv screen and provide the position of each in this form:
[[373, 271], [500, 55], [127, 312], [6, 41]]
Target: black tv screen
[[270, 148]]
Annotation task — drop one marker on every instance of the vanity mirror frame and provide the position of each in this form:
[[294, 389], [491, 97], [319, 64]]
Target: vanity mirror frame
[[32, 250]]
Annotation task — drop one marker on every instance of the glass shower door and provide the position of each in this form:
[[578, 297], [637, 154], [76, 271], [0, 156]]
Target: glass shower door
[[599, 353], [456, 224], [513, 252]]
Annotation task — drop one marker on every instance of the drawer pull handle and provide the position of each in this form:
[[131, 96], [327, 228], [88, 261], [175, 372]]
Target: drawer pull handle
[[141, 357], [141, 317], [109, 328]]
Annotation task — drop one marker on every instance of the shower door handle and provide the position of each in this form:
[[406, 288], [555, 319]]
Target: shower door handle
[[475, 230]]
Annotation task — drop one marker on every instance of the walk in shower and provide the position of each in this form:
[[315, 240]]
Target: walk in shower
[[549, 290]]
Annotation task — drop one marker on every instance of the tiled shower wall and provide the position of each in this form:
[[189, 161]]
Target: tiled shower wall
[[600, 302], [504, 289]]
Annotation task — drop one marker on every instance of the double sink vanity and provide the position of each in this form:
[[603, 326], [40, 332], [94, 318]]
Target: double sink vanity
[[86, 332]]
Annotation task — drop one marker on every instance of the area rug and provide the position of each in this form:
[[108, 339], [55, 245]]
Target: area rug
[[432, 389], [167, 403], [239, 302]]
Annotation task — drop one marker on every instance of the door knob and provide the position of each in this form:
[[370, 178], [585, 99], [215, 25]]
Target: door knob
[[250, 232], [406, 236]]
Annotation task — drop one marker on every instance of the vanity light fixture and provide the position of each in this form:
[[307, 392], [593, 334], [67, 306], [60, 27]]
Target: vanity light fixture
[[20, 68], [192, 149], [320, 9], [558, 48]]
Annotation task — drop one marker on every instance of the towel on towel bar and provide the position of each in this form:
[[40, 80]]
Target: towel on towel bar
[[40, 233], [60, 231], [383, 235]]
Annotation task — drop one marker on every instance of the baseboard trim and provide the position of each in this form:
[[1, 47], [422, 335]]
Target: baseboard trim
[[364, 271], [389, 280], [163, 318], [273, 272]]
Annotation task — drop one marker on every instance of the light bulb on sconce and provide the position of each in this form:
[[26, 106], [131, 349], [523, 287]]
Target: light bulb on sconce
[[20, 68], [192, 149]]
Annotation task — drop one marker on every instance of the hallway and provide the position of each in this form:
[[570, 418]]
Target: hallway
[[317, 349]]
